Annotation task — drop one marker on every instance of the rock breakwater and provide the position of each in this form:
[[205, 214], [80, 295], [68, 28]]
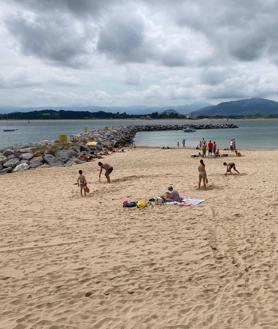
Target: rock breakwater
[[75, 149]]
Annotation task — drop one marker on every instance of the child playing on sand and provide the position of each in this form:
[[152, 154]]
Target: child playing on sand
[[82, 183], [202, 175], [230, 166]]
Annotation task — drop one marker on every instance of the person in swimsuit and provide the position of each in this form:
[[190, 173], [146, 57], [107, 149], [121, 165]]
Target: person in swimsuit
[[82, 183], [202, 175], [230, 166], [108, 169]]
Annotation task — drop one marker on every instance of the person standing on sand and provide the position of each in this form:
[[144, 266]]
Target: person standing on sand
[[183, 143], [214, 148], [178, 144], [82, 183], [230, 166], [204, 149], [202, 175], [210, 148], [108, 170]]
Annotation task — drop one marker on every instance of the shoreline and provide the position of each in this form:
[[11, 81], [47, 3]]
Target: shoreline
[[136, 119]]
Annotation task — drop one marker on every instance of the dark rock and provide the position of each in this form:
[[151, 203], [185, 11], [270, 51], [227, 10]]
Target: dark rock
[[5, 171], [8, 152], [65, 155], [11, 163], [51, 160], [35, 164]]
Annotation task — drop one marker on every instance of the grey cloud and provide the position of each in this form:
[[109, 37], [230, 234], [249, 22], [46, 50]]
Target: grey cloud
[[56, 39], [122, 38], [75, 7]]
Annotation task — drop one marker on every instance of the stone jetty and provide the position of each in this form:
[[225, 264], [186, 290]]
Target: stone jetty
[[75, 151]]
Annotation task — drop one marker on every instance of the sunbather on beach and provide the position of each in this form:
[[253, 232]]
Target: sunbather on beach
[[202, 175], [108, 170], [82, 183], [171, 195], [230, 166]]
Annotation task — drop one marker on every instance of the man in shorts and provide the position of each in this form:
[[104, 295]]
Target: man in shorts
[[108, 170]]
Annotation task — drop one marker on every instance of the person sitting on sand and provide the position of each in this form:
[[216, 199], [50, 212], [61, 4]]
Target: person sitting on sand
[[108, 169], [230, 166], [171, 195], [82, 183], [202, 175]]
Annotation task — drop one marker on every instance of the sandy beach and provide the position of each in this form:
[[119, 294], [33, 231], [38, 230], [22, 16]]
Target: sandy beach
[[71, 262]]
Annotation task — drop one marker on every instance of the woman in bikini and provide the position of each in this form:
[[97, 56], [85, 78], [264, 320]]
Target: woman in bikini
[[202, 175]]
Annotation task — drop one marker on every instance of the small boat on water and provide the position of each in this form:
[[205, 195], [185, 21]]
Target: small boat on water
[[189, 130], [9, 130]]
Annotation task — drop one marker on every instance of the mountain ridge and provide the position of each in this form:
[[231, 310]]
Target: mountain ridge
[[244, 107]]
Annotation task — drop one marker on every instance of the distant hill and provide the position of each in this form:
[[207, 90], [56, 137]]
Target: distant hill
[[49, 114], [244, 107], [132, 110], [62, 115]]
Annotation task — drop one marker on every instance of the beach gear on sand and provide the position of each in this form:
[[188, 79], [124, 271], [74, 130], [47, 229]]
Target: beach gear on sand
[[86, 189], [142, 204], [127, 204], [186, 202], [159, 201]]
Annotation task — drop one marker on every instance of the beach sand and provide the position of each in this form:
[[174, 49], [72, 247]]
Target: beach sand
[[72, 262]]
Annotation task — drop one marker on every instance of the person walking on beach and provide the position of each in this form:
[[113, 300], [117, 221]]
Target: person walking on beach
[[183, 143], [230, 166], [178, 144], [82, 183], [108, 170], [202, 175]]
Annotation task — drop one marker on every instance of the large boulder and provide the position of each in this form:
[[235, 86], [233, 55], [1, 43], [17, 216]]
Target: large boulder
[[2, 158], [35, 164], [11, 163], [21, 167], [52, 161], [73, 161], [5, 171], [27, 156], [8, 152], [65, 155], [37, 159], [25, 150]]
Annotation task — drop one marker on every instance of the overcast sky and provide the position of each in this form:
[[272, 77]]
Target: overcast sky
[[148, 52]]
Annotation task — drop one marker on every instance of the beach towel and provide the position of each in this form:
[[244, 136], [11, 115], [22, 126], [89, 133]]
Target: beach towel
[[186, 202]]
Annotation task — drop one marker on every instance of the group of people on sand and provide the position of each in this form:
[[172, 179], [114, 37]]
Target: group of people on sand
[[203, 178], [208, 148], [82, 182], [182, 143]]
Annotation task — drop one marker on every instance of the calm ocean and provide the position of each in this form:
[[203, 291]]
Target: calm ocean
[[250, 134]]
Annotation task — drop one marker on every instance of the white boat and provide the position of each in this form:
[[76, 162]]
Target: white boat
[[189, 130]]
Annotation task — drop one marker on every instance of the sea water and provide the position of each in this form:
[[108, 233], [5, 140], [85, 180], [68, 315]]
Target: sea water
[[251, 134]]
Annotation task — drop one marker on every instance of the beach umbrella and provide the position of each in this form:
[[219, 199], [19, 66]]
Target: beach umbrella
[[91, 144]]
